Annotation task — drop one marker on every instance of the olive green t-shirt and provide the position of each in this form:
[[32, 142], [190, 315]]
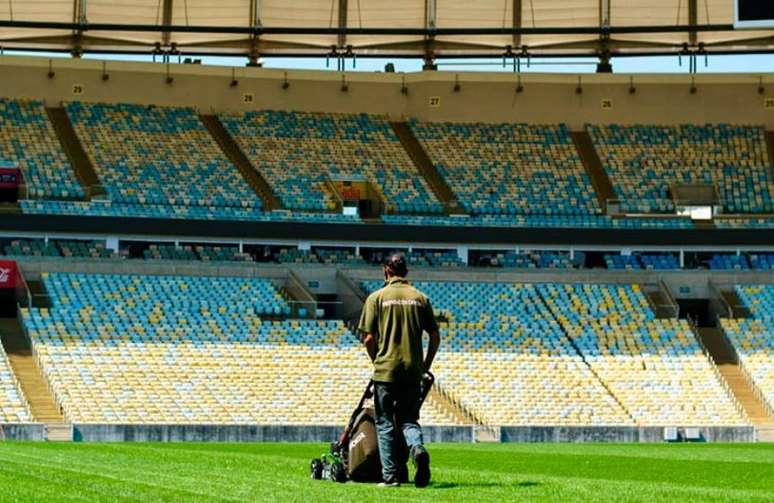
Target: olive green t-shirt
[[397, 314]]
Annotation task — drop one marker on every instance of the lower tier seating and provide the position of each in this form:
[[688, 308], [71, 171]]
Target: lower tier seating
[[654, 367], [13, 406], [191, 350], [753, 338], [506, 358]]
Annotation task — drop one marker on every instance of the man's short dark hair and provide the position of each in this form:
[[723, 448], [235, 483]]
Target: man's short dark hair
[[396, 265]]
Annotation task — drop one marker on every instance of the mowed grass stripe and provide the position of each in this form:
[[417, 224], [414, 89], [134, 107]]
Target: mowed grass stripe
[[742, 475], [182, 471], [279, 472], [105, 485], [735, 453], [254, 481]]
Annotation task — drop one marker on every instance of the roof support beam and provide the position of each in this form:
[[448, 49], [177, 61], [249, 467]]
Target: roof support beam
[[693, 20], [253, 54], [517, 22], [342, 38], [430, 14], [430, 26], [166, 20], [604, 13], [604, 65], [79, 17]]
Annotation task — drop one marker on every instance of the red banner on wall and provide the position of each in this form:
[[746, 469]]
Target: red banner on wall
[[9, 274], [10, 178]]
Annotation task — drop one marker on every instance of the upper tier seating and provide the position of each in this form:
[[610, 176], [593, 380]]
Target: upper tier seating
[[299, 153], [726, 262], [507, 359], [429, 258], [169, 252], [753, 338], [655, 367], [651, 261], [32, 247], [510, 169], [222, 254], [87, 249], [158, 156], [13, 406], [628, 262], [338, 256], [28, 140], [189, 350], [643, 161], [762, 261]]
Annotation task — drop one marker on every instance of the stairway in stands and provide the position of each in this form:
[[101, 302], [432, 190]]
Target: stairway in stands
[[33, 385], [238, 158], [426, 167], [727, 363], [79, 160], [452, 408], [593, 165]]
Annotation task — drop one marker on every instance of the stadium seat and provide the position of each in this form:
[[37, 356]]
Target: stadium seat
[[507, 359], [753, 338], [654, 367], [13, 405], [28, 140], [127, 349], [300, 153], [162, 156], [644, 160], [510, 169]]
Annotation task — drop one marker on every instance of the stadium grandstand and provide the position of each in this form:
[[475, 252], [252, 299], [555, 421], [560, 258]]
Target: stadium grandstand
[[185, 248]]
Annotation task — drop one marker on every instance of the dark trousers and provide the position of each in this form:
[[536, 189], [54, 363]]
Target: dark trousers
[[397, 409]]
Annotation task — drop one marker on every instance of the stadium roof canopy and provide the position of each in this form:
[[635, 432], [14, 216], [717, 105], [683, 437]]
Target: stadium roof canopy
[[397, 28]]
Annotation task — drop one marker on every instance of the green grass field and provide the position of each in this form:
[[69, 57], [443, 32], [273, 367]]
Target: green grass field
[[279, 472]]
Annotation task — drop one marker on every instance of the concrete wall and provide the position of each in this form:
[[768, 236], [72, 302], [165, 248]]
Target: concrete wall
[[233, 433], [22, 432], [488, 97], [696, 281], [616, 434], [33, 266], [326, 434]]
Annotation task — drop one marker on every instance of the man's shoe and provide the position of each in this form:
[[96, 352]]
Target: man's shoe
[[421, 459], [389, 483]]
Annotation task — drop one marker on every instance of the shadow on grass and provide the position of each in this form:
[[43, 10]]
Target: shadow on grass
[[481, 485]]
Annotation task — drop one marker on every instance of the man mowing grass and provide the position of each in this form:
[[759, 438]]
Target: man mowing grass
[[393, 321]]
